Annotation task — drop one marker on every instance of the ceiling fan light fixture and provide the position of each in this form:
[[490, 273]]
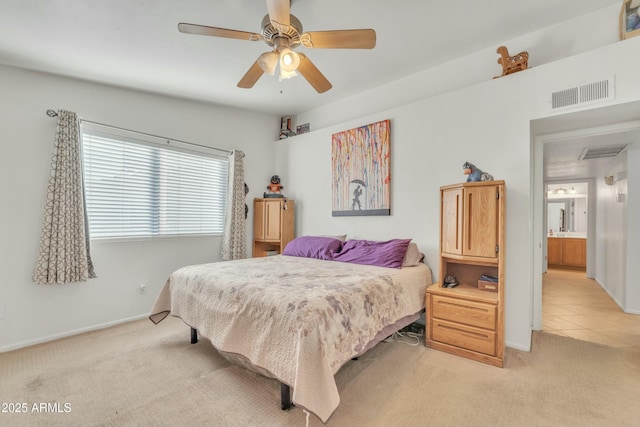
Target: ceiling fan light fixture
[[283, 32], [289, 61], [268, 62], [286, 74]]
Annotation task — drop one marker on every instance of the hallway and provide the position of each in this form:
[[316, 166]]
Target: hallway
[[575, 306]]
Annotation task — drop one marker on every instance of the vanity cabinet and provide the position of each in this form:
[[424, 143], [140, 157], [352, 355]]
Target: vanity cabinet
[[567, 252], [554, 251], [273, 225], [466, 320]]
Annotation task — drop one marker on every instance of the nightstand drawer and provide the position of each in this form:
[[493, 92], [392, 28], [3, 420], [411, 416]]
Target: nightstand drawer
[[463, 336], [463, 311]]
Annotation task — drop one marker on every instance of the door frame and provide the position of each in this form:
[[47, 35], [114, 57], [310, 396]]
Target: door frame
[[538, 205]]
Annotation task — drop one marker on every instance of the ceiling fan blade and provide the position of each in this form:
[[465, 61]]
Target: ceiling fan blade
[[311, 73], [279, 11], [251, 76], [339, 39], [203, 30]]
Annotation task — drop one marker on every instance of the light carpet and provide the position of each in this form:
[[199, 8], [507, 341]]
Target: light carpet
[[140, 374]]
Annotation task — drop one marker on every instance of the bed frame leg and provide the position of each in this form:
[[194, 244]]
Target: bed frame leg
[[194, 336], [285, 397]]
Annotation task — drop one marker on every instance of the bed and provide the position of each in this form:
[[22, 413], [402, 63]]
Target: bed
[[297, 318]]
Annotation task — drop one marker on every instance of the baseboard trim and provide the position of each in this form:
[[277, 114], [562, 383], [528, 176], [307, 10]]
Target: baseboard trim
[[41, 340], [520, 347], [618, 303]]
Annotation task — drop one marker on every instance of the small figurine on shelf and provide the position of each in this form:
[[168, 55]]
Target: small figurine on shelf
[[285, 128], [274, 188], [450, 281], [475, 174]]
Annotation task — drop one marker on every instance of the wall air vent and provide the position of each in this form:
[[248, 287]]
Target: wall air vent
[[588, 93], [601, 152]]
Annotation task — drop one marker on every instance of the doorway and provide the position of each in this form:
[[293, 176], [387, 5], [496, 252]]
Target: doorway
[[567, 210], [573, 303], [564, 138]]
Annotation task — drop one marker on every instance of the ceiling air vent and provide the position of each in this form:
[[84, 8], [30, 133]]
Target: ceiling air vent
[[601, 152], [588, 93]]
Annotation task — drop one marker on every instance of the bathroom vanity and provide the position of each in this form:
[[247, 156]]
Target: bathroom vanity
[[567, 251]]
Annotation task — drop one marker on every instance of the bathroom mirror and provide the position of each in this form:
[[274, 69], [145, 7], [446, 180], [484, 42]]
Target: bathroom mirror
[[558, 216], [567, 208], [567, 215]]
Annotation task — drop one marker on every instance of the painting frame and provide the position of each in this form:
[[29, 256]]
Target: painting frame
[[361, 170], [304, 128], [629, 19]]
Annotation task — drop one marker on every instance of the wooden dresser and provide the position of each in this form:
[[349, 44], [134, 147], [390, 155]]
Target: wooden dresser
[[466, 320], [273, 225]]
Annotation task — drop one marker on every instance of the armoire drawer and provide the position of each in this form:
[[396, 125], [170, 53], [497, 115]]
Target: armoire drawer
[[467, 312], [464, 336]]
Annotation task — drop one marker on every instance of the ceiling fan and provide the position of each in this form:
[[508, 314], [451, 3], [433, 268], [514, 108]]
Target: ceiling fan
[[283, 32]]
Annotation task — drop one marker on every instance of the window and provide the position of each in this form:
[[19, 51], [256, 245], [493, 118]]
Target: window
[[137, 185]]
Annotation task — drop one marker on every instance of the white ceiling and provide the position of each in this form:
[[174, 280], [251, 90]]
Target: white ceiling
[[561, 159], [567, 135], [136, 44]]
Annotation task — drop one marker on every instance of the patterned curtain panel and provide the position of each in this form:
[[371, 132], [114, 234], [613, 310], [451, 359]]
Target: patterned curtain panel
[[234, 242], [65, 254]]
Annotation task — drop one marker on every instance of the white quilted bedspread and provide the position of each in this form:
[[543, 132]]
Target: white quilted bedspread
[[297, 319]]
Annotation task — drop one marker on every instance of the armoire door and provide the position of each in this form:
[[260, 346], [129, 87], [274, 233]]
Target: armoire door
[[272, 220], [480, 221], [451, 220]]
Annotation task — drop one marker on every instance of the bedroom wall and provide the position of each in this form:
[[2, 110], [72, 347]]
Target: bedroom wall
[[487, 123], [34, 313]]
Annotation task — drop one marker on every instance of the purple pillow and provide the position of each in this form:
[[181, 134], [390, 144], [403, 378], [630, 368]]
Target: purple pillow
[[313, 247], [383, 254]]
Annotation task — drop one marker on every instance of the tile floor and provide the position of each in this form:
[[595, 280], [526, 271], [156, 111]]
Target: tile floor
[[578, 307]]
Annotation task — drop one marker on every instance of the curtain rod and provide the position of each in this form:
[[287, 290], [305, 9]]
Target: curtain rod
[[53, 113]]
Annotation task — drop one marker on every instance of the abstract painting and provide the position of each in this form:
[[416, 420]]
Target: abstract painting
[[361, 170]]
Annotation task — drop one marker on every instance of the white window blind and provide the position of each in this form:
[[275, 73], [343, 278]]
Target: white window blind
[[140, 186]]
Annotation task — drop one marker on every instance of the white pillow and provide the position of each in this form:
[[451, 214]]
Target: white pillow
[[413, 256], [341, 237]]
